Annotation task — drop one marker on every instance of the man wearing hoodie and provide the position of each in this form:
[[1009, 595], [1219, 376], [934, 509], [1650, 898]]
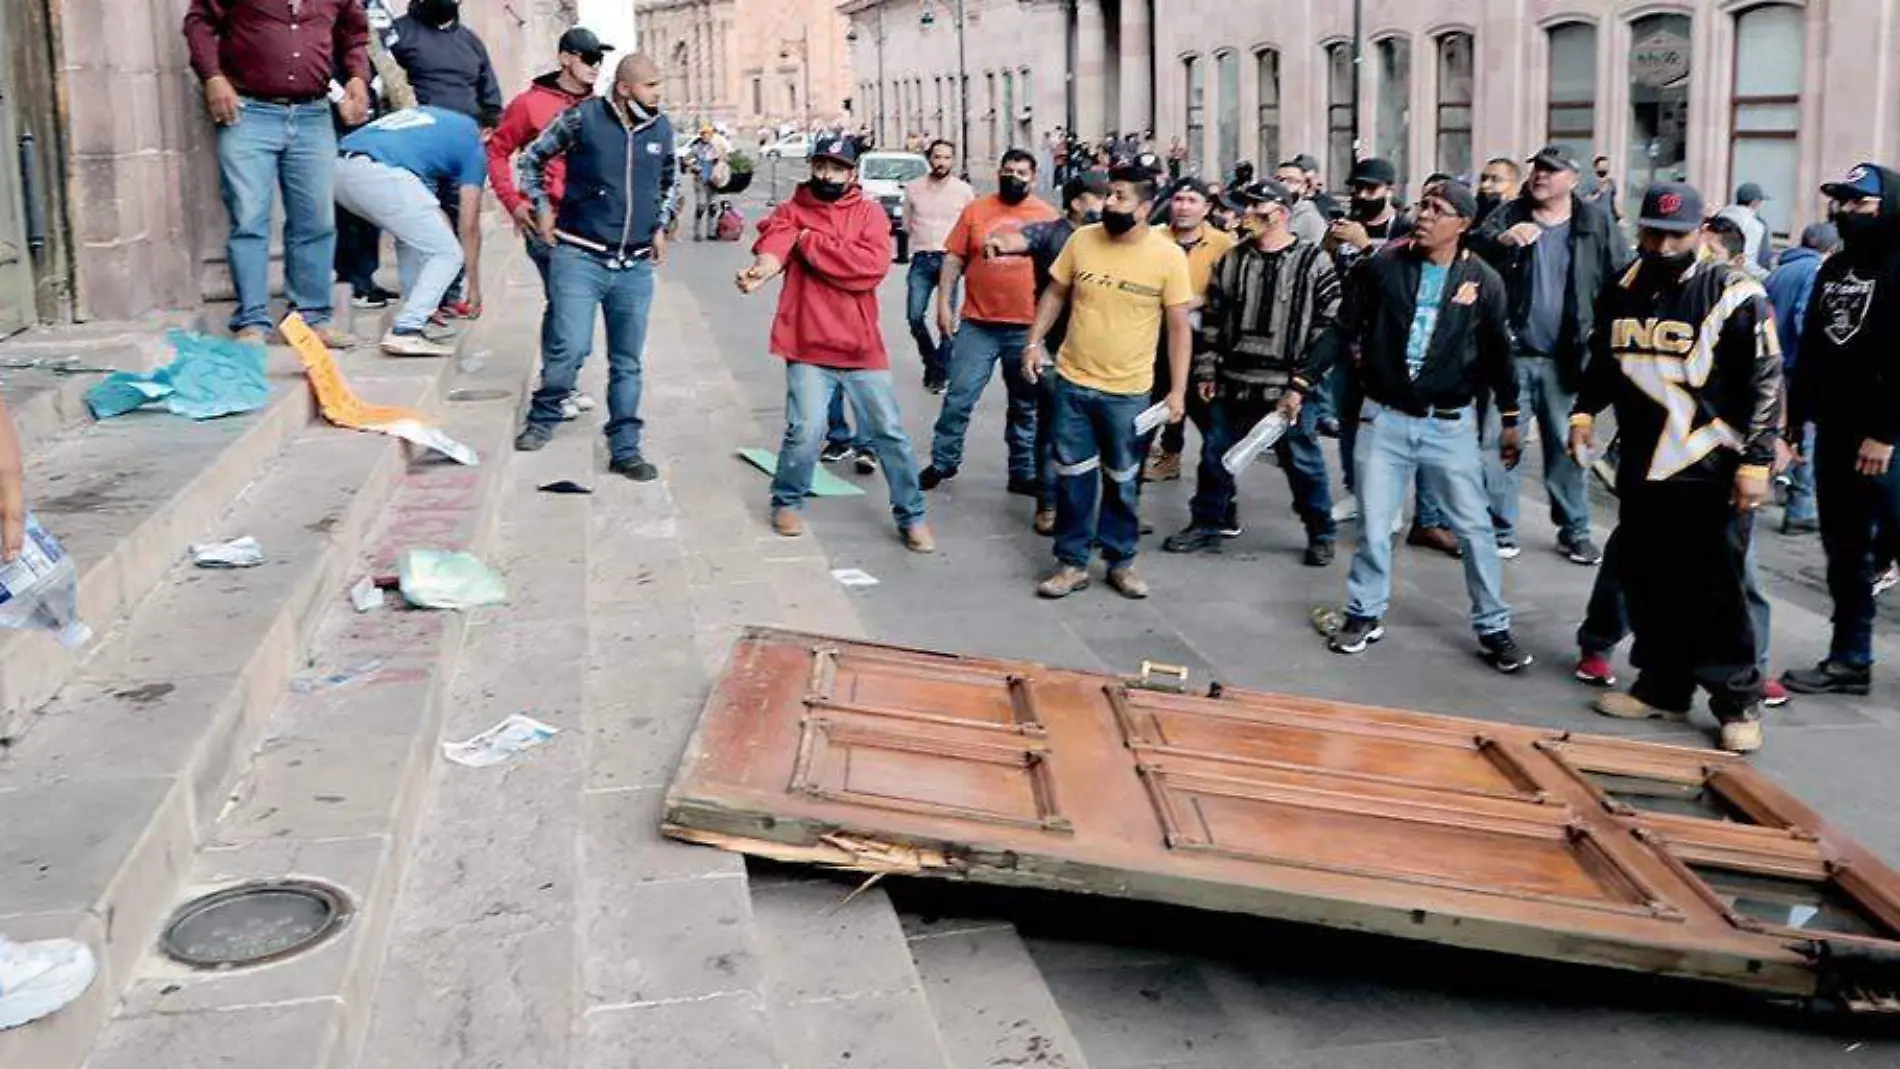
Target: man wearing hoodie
[[833, 245], [1789, 287], [609, 231], [579, 56], [1847, 383]]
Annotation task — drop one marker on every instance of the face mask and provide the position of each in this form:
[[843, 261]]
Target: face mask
[[1366, 209], [1855, 227], [1671, 264], [1118, 223], [825, 190], [1603, 172], [1091, 217], [1012, 189], [438, 12]]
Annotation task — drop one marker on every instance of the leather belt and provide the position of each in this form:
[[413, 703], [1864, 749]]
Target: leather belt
[[285, 102]]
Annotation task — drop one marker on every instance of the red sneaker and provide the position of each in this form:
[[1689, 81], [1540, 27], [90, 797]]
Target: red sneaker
[[462, 310], [1596, 669], [1773, 694]]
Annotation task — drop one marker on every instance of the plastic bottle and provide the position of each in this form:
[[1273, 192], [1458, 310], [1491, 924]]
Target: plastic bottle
[[40, 589], [1262, 436]]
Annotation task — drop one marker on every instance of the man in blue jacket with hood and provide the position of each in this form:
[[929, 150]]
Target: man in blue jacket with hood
[[1789, 286]]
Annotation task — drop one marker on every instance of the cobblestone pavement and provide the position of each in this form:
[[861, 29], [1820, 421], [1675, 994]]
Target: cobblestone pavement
[[1227, 993]]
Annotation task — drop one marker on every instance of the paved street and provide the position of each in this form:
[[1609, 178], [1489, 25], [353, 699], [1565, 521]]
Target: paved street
[[1229, 993]]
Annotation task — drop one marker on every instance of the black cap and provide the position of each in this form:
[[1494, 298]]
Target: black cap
[[1262, 191], [1373, 171], [1749, 193], [1192, 184], [581, 41], [842, 149], [1671, 207], [1556, 158], [1458, 196], [1305, 162], [1087, 182]]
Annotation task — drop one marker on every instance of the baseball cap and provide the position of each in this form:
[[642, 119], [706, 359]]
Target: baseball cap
[[1749, 193], [1192, 184], [1458, 196], [1305, 162], [1555, 157], [1820, 236], [1261, 191], [582, 41], [842, 149], [1861, 180], [1373, 171], [1671, 207], [1087, 182]]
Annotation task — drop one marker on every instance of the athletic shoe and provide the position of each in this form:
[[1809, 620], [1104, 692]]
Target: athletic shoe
[[1887, 579], [1346, 509], [460, 310], [41, 978], [570, 410], [1741, 736], [634, 467], [374, 297], [932, 477], [1319, 553], [1509, 550], [833, 452], [415, 344], [1192, 539], [1773, 694], [1829, 677], [1581, 551], [1503, 653], [866, 462], [1595, 669], [532, 438], [1355, 635]]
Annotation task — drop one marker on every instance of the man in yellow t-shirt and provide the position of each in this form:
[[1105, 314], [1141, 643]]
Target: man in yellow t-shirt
[[1120, 281]]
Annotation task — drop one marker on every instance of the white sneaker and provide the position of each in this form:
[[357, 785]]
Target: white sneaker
[[1346, 508], [37, 979], [1887, 580], [415, 345], [580, 401], [570, 411]]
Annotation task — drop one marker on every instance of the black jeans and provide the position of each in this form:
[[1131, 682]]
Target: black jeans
[[1859, 516], [358, 250]]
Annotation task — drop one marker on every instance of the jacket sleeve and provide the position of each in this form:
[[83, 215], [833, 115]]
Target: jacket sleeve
[[856, 262], [350, 41], [204, 23], [1216, 307], [1495, 362], [509, 138], [1483, 239], [1347, 329], [777, 232], [554, 141], [1326, 300], [1757, 355], [1598, 388], [669, 175], [487, 88]]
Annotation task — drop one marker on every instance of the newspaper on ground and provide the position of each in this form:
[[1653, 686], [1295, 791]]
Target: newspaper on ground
[[854, 577], [502, 742]]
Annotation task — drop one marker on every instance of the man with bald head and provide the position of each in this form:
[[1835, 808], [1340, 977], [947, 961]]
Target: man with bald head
[[609, 232]]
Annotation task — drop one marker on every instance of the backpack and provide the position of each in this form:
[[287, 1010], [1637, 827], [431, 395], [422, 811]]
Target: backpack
[[731, 225]]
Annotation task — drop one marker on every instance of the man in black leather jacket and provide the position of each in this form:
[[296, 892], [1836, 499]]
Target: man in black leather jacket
[[1685, 348]]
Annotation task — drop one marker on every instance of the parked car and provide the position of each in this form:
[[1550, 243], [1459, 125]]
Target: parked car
[[795, 147], [883, 176]]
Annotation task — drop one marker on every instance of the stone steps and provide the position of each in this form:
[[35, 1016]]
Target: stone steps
[[988, 996]]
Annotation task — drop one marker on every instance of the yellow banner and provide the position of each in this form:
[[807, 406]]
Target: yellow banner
[[343, 408]]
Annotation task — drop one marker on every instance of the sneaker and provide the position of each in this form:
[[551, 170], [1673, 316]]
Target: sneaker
[[1346, 509], [1066, 580], [372, 298], [580, 401], [936, 387], [1509, 550], [1127, 582], [532, 438], [787, 523], [415, 344], [252, 336], [1230, 528], [1595, 669], [1192, 539], [1581, 551], [1319, 553], [1438, 538], [918, 539], [1741, 736], [1829, 677], [1045, 522], [833, 452], [1774, 695], [634, 467], [570, 411], [1025, 487], [1355, 635], [1625, 706], [932, 477], [1161, 467], [41, 978], [866, 462], [1503, 652], [1327, 426], [1887, 579], [460, 310]]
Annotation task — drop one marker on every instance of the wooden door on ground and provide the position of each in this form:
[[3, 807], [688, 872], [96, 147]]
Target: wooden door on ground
[[1523, 840], [16, 265]]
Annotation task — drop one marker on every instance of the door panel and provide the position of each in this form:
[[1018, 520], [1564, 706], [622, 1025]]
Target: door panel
[[1524, 840], [16, 266]]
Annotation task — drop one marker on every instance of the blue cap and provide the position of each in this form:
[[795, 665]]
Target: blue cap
[[1862, 180], [842, 149]]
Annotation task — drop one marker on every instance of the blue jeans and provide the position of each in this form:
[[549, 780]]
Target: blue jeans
[[920, 286], [427, 252], [837, 428], [1801, 503], [1097, 456], [809, 392], [1393, 449], [579, 284], [1298, 452], [292, 147], [973, 359], [541, 255], [1541, 394]]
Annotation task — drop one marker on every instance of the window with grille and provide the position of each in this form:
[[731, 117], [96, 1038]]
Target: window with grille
[[1455, 96]]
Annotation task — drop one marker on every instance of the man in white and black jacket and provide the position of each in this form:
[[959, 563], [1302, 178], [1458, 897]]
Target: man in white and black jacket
[[1685, 349], [1429, 319]]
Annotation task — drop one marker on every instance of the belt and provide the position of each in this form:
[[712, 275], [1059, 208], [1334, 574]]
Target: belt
[[285, 102], [614, 261], [1428, 411]]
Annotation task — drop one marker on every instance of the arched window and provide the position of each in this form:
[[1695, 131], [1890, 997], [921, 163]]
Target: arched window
[[1194, 74], [1227, 111], [1339, 117], [1659, 66], [1769, 45], [1571, 116], [1394, 58], [1267, 112], [1454, 103]]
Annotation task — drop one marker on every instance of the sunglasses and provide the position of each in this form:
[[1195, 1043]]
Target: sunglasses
[[592, 59]]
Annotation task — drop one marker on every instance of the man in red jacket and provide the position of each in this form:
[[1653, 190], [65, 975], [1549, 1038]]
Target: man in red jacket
[[833, 245]]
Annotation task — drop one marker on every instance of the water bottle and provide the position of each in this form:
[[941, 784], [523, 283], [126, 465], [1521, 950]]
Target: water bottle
[[40, 589], [1264, 434]]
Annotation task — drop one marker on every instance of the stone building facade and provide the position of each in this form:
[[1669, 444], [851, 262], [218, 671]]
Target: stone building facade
[[1780, 92], [749, 63]]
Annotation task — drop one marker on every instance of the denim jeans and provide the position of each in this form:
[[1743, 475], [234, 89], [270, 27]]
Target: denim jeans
[[920, 286], [1097, 458], [1859, 515], [1801, 505], [838, 428], [579, 284], [809, 391], [358, 251], [1606, 620], [427, 252], [541, 254], [1393, 449], [1298, 452], [292, 147], [1541, 395], [972, 361]]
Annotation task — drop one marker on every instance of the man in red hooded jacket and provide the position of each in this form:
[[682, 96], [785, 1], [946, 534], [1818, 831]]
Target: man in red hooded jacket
[[833, 245]]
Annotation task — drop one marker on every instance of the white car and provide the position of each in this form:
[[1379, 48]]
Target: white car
[[795, 147], [883, 176]]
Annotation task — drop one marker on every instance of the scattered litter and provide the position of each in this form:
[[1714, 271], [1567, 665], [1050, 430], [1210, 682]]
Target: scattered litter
[[469, 363], [440, 579], [480, 393], [566, 486], [57, 365], [823, 483], [209, 377], [366, 595], [1852, 1047], [359, 670], [342, 407], [1151, 417], [40, 589], [237, 553], [512, 736], [854, 577], [1327, 620]]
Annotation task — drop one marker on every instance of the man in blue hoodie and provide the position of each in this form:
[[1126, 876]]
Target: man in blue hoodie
[[1789, 287]]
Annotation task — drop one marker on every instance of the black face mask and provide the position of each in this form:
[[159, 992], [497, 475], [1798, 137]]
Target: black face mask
[[1668, 265], [1603, 173], [825, 190], [1857, 229], [438, 12], [1118, 223], [1366, 209], [1011, 189]]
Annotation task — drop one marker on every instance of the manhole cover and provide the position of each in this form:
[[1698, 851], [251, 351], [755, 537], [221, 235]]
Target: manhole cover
[[488, 393], [254, 923]]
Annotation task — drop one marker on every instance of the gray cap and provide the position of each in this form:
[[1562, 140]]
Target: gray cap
[[1820, 236]]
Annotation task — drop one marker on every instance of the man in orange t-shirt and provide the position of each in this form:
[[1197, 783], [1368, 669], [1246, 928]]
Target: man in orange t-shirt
[[999, 304]]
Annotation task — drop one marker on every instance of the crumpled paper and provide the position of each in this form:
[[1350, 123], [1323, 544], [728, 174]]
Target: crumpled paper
[[242, 552], [440, 579], [207, 378]]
